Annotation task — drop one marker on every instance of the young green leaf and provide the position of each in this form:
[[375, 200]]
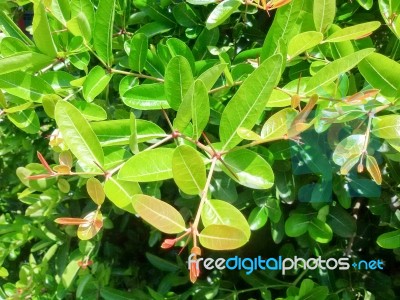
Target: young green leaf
[[373, 169], [78, 134], [188, 170], [159, 214], [387, 127], [95, 190], [222, 237], [246, 105], [353, 32], [103, 30], [251, 170], [138, 52], [348, 148], [79, 26], [41, 30], [95, 83], [222, 12], [324, 12], [147, 166], [302, 42], [120, 193], [380, 72], [178, 80], [333, 70], [223, 213], [195, 107], [278, 124], [88, 230]]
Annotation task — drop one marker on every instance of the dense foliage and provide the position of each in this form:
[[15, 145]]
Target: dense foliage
[[131, 129]]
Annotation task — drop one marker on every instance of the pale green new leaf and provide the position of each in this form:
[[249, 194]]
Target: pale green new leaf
[[222, 237], [147, 166], [188, 170], [333, 70], [195, 107], [95, 83], [41, 30], [324, 13], [251, 169], [178, 79], [223, 213], [95, 190], [302, 42], [103, 30], [247, 104], [353, 32], [382, 73], [222, 12], [121, 193], [159, 214], [78, 134]]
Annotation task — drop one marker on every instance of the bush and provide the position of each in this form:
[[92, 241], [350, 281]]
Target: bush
[[268, 129]]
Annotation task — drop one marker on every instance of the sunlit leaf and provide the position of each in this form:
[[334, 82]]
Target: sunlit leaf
[[95, 190], [373, 169], [89, 230], [222, 237], [121, 192]]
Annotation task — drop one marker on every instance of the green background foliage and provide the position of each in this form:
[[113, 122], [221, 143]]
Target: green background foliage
[[131, 129]]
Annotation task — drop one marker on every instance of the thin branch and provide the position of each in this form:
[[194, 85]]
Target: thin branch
[[136, 75]]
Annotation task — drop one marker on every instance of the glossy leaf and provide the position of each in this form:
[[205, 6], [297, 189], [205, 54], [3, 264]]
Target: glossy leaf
[[220, 212], [246, 105], [178, 80], [159, 214], [250, 168], [90, 111], [331, 72], [302, 42], [211, 75], [387, 127], [146, 97], [78, 134], [297, 224], [26, 120], [121, 193], [222, 237], [195, 107], [89, 230], [9, 27], [320, 231], [389, 240], [390, 12], [278, 124], [188, 170], [258, 218], [348, 148], [103, 30], [79, 26], [342, 222], [353, 32], [41, 31], [380, 72], [324, 13], [222, 12], [373, 169], [138, 52], [96, 81], [95, 190], [147, 166], [24, 60]]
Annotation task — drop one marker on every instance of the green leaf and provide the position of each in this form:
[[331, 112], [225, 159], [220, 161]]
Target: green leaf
[[297, 225], [324, 12], [341, 222], [95, 190], [79, 26], [161, 264], [103, 30], [251, 170], [201, 2], [373, 169], [9, 27], [89, 230], [120, 193], [278, 124], [178, 79], [138, 53], [348, 148], [188, 170], [195, 107], [366, 4], [381, 72], [185, 15], [108, 293], [24, 61], [25, 86], [159, 214], [389, 240], [42, 34], [95, 83], [387, 127], [246, 105], [333, 70], [220, 212], [90, 111], [222, 12], [390, 11], [146, 97], [258, 218], [78, 134], [353, 32], [302, 42], [177, 47], [222, 237], [320, 231], [26, 120], [211, 75], [148, 166]]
